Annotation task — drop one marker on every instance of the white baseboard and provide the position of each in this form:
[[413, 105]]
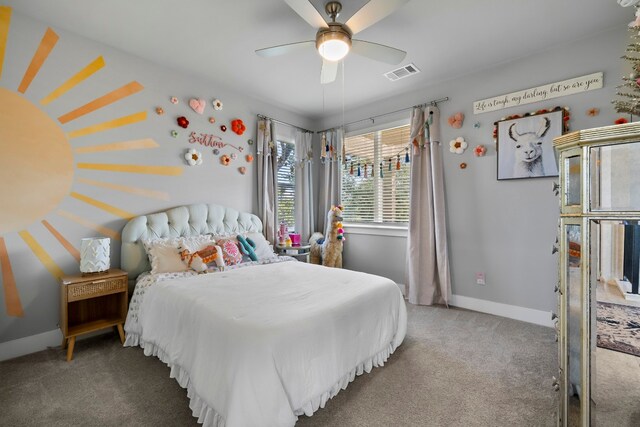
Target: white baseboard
[[30, 344], [524, 314]]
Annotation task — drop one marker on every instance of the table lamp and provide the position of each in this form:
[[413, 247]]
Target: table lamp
[[95, 255]]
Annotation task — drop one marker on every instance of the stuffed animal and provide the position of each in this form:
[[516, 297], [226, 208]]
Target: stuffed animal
[[198, 260], [327, 250], [247, 247]]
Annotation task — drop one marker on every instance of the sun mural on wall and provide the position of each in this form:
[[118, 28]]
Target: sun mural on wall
[[37, 160]]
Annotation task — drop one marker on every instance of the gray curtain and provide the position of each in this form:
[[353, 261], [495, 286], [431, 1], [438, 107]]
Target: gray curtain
[[428, 279], [267, 170], [305, 208], [330, 176]]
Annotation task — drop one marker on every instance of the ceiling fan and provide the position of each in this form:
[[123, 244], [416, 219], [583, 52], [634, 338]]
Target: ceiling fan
[[334, 39]]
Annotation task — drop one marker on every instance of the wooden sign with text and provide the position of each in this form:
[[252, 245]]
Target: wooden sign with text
[[540, 93]]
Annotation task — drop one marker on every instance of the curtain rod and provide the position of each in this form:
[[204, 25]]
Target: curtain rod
[[260, 116], [372, 118]]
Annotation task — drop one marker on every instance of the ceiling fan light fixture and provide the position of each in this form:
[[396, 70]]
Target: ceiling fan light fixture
[[333, 45]]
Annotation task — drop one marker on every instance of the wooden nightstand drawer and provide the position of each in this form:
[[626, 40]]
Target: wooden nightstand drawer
[[96, 288]]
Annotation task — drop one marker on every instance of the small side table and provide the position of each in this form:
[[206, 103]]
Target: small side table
[[299, 252], [90, 303]]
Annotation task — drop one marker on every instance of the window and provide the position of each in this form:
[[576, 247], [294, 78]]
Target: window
[[286, 183], [374, 189]]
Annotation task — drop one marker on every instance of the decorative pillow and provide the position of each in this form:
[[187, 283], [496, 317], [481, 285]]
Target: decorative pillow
[[263, 249], [163, 253], [203, 259], [230, 251]]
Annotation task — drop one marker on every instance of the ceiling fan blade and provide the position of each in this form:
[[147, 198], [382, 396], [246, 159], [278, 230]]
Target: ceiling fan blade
[[371, 13], [329, 71], [379, 52], [307, 12], [284, 48]]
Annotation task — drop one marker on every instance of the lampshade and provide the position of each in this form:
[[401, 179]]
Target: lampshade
[[95, 255], [333, 45]]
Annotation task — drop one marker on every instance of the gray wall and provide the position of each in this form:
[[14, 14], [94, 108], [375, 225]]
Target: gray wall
[[211, 182], [502, 228]]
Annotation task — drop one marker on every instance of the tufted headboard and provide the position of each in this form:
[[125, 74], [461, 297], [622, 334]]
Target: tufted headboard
[[181, 221]]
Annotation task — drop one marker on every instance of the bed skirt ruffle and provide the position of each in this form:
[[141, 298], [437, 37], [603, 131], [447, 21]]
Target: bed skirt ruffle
[[375, 361], [208, 417]]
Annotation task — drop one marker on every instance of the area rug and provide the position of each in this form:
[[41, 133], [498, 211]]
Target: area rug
[[619, 328]]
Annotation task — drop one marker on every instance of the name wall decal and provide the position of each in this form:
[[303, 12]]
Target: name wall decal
[[211, 140], [540, 93]]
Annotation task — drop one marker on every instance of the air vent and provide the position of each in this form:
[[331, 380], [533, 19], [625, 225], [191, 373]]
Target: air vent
[[402, 72]]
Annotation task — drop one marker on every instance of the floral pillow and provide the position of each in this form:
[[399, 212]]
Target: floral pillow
[[230, 250]]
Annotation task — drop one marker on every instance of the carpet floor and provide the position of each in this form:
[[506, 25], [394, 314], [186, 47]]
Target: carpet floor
[[455, 368]]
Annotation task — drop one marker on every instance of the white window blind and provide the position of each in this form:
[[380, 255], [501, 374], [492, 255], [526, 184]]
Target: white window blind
[[286, 183], [380, 194]]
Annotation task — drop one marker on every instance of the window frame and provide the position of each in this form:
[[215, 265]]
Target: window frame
[[291, 141], [395, 229]]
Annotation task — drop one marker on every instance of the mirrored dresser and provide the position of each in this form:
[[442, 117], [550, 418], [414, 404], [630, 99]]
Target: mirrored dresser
[[598, 317]]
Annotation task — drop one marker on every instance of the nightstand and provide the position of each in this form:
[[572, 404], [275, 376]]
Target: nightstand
[[297, 252], [90, 303]]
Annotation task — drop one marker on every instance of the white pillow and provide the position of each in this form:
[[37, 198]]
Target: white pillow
[[264, 249], [163, 253]]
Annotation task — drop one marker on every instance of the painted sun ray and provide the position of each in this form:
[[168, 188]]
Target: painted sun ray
[[103, 101], [63, 241], [101, 205], [75, 80], [41, 254], [144, 192], [47, 44], [150, 170], [105, 231], [11, 296], [138, 144], [5, 20], [112, 124]]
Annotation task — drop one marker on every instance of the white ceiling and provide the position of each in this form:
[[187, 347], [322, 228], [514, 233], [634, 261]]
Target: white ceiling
[[217, 39]]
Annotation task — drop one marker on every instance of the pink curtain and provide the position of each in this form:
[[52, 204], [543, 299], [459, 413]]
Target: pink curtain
[[427, 278]]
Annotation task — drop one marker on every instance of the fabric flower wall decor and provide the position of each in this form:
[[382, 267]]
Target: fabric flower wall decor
[[621, 121], [217, 104], [193, 157], [238, 127], [225, 160], [183, 122], [456, 120], [173, 100], [480, 150], [458, 145], [592, 112]]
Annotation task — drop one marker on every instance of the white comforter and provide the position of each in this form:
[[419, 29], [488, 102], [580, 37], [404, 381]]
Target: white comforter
[[259, 346]]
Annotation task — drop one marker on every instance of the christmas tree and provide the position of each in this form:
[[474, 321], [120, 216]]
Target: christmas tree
[[629, 91]]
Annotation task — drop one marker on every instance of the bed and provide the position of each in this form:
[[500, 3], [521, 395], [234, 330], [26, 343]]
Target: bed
[[263, 342]]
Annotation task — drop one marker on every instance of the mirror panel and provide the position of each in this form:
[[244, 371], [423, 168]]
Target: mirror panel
[[615, 177], [573, 280], [573, 180]]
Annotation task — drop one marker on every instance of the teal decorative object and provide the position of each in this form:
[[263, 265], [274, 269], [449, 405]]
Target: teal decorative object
[[247, 247]]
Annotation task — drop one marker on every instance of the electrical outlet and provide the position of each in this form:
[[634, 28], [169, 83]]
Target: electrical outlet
[[480, 279]]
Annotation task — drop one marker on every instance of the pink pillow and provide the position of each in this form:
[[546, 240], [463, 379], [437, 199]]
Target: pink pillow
[[230, 251]]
